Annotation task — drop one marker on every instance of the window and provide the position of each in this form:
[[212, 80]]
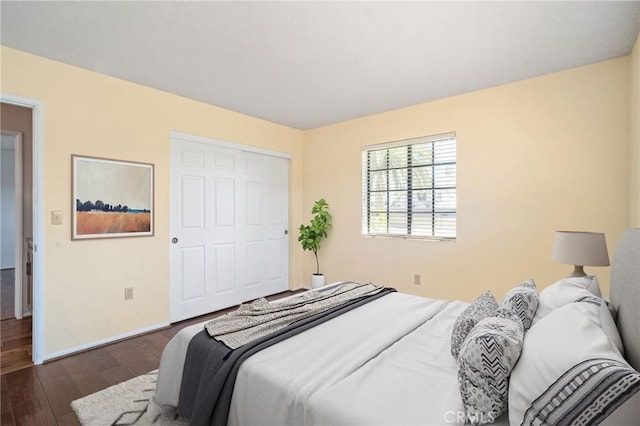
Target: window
[[409, 188]]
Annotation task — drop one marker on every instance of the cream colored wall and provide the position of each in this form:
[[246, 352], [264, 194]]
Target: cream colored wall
[[634, 147], [544, 154], [534, 156], [92, 114]]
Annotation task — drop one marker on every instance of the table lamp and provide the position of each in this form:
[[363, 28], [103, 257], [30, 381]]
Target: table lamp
[[580, 249]]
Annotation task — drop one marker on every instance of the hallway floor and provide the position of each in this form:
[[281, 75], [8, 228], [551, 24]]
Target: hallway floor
[[15, 345], [15, 335]]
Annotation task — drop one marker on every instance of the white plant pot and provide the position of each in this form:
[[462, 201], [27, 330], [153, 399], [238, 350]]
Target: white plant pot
[[317, 280]]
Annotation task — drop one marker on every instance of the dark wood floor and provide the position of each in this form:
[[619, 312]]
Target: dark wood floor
[[15, 335], [15, 344], [42, 394]]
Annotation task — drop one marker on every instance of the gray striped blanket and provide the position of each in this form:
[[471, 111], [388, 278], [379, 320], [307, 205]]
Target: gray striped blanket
[[260, 318]]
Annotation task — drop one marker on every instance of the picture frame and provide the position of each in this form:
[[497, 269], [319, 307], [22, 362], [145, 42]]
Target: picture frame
[[111, 198]]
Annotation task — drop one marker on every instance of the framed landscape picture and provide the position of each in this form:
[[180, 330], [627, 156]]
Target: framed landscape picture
[[111, 198]]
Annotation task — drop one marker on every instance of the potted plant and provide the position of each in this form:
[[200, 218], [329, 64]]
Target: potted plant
[[311, 235]]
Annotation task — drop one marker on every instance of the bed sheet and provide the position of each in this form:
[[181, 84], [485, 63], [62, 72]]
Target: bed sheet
[[387, 362]]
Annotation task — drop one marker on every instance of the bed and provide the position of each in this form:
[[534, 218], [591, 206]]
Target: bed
[[390, 362]]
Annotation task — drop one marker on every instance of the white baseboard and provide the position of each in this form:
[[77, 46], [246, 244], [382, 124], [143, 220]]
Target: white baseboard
[[106, 341]]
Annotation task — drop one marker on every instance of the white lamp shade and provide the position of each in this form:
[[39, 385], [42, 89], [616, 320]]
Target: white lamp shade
[[580, 248]]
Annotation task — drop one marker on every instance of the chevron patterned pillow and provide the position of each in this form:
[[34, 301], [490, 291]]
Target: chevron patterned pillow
[[486, 359], [522, 300], [485, 305]]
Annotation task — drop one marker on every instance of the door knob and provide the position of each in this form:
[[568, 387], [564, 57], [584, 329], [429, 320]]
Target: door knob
[[286, 231], [174, 240]]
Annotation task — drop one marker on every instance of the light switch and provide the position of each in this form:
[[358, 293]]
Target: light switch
[[56, 217]]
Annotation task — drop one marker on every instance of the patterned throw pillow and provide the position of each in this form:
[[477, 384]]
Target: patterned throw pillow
[[486, 359], [522, 300], [485, 305]]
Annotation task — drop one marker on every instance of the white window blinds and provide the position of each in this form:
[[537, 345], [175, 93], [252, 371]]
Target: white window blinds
[[409, 188]]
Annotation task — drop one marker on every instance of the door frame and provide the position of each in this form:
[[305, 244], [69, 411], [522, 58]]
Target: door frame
[[175, 135], [18, 246], [38, 314]]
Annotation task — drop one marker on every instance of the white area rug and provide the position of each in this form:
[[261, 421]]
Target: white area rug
[[124, 404]]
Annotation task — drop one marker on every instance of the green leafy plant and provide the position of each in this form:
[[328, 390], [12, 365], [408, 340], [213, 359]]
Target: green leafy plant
[[311, 235]]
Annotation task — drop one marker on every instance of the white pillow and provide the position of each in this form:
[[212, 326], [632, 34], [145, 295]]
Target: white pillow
[[565, 291], [569, 367], [608, 324]]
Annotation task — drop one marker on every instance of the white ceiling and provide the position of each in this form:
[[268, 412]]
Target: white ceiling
[[308, 64]]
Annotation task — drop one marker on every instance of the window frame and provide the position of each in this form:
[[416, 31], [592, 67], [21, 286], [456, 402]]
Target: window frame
[[410, 213]]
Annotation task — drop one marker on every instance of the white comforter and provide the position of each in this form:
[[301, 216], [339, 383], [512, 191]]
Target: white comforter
[[385, 363]]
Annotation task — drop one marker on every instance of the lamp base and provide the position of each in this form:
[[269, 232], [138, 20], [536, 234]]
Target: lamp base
[[578, 271]]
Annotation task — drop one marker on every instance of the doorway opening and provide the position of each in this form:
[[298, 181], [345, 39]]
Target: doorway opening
[[16, 254]]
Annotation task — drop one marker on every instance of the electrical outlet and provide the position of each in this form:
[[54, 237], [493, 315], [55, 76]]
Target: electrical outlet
[[417, 279], [128, 293]]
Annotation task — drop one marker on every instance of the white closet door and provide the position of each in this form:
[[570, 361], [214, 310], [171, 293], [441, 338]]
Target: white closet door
[[265, 242], [229, 217]]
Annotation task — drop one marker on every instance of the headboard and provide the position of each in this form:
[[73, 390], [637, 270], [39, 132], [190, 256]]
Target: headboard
[[625, 293]]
